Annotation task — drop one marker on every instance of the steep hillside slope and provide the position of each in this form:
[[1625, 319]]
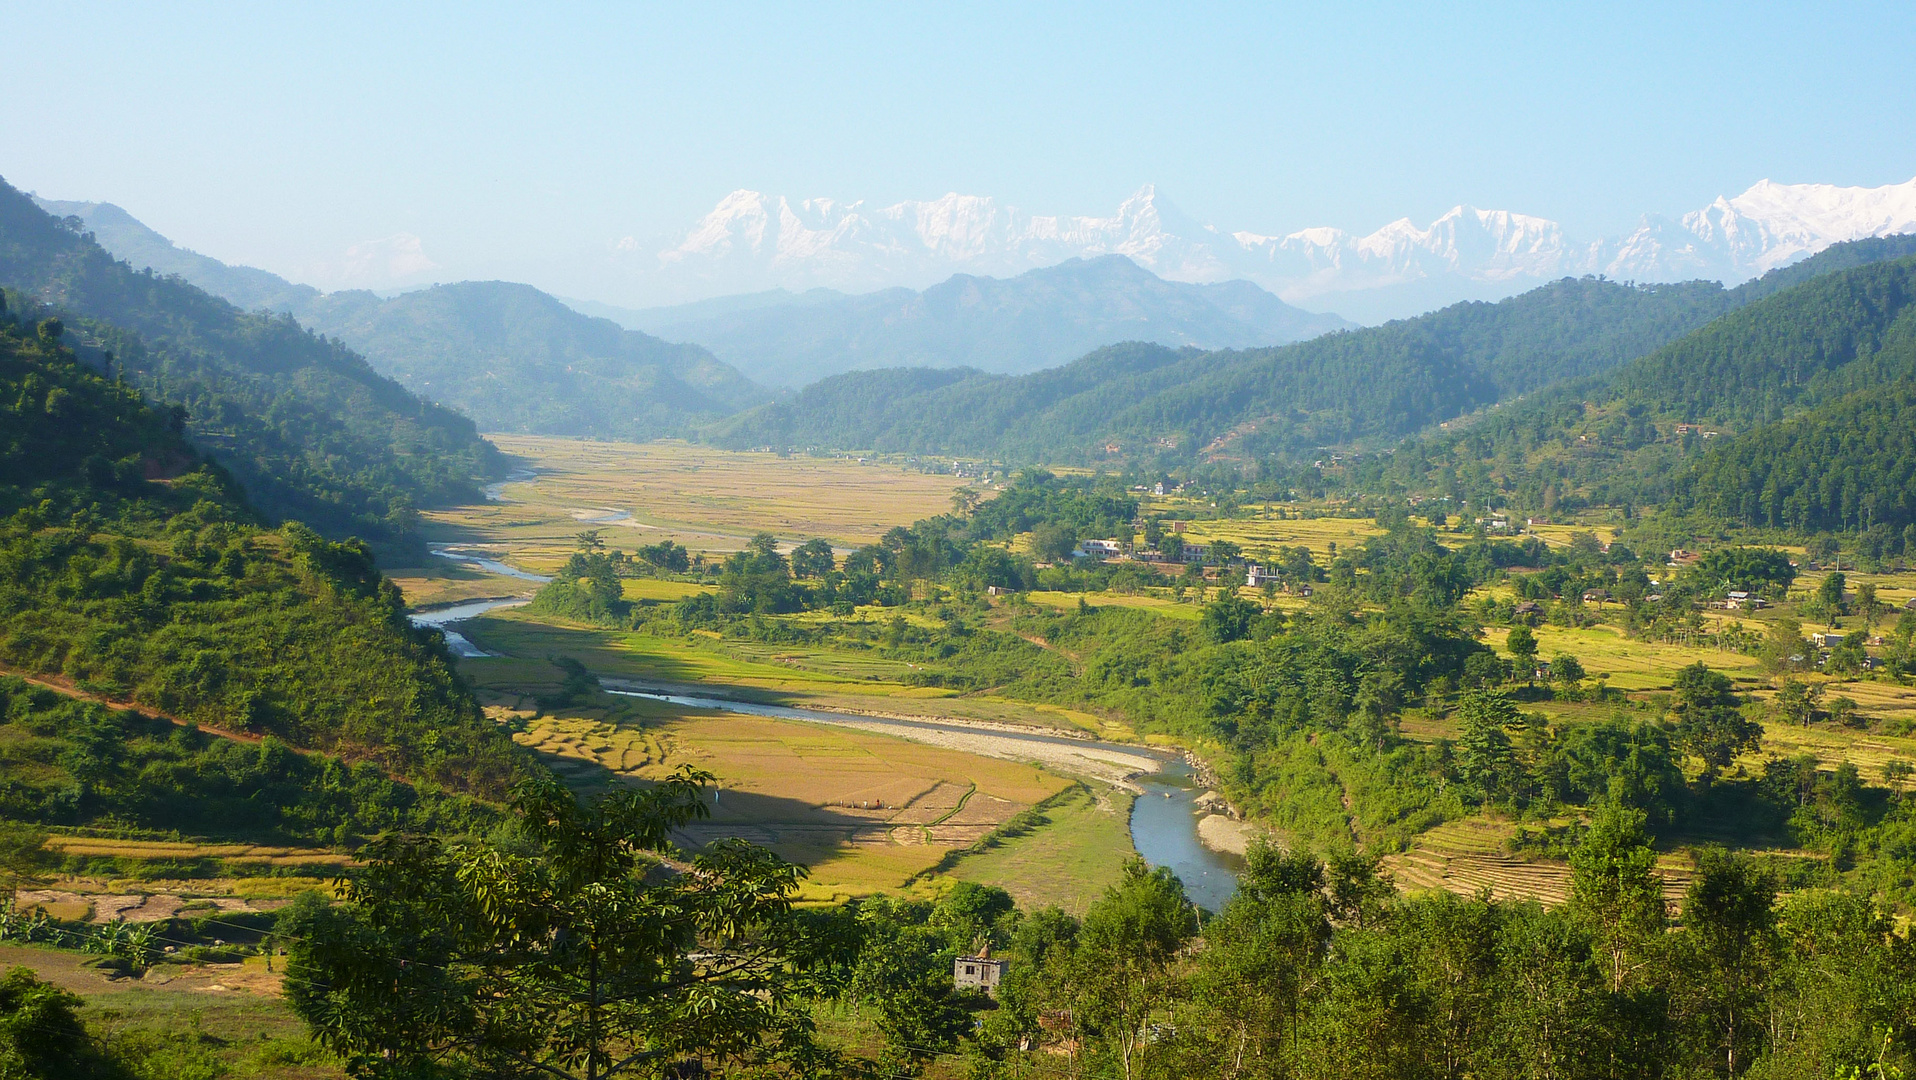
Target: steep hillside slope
[[1009, 326], [135, 569], [311, 431], [131, 241], [1848, 465], [515, 359], [1694, 422]]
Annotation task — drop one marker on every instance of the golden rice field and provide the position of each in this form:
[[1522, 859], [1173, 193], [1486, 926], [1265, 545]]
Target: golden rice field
[[866, 812], [704, 499], [167, 849]]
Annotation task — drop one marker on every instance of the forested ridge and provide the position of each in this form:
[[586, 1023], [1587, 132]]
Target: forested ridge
[[1365, 388], [1382, 382], [1763, 417], [514, 359], [311, 431], [133, 567]]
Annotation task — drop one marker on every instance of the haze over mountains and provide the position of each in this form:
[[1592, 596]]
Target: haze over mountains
[[1039, 319], [752, 242], [512, 366]]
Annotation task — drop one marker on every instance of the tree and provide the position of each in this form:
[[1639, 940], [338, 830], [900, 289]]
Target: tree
[[1567, 669], [1710, 726], [812, 559], [1830, 594], [1798, 701], [1229, 618], [1729, 920], [566, 954], [1614, 887], [41, 1036], [1054, 541], [1783, 644], [1262, 958], [589, 541], [1868, 603], [1124, 952], [1484, 755], [1522, 645]]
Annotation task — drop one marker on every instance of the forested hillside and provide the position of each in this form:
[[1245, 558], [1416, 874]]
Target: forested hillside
[[515, 359], [1638, 436], [134, 569], [1379, 383], [1367, 387], [311, 431], [1847, 466]]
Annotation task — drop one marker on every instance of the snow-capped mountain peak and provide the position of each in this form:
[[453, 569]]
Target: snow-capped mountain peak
[[750, 241]]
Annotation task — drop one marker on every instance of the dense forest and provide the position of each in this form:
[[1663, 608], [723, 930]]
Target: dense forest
[[312, 432], [135, 569], [1695, 425]]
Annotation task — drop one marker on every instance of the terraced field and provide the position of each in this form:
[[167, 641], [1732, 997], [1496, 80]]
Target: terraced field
[[1469, 856]]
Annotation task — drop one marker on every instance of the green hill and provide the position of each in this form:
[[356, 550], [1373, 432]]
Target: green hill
[[1848, 465], [1375, 384], [1632, 436], [515, 359], [1368, 387], [135, 569], [311, 431], [509, 356]]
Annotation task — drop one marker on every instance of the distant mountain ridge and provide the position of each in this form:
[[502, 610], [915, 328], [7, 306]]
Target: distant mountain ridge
[[312, 431], [516, 359], [1040, 319], [1037, 320], [751, 242], [509, 356]]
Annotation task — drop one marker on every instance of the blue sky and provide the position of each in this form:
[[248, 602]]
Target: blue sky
[[506, 136]]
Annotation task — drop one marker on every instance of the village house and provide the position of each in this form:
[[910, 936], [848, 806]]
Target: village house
[[1828, 639], [1099, 549], [1255, 576], [979, 973]]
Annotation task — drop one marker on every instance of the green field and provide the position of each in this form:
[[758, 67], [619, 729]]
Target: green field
[[1067, 862]]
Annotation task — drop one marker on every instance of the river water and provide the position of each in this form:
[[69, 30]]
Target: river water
[[1163, 818]]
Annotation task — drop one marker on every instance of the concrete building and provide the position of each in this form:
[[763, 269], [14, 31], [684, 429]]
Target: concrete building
[[979, 973]]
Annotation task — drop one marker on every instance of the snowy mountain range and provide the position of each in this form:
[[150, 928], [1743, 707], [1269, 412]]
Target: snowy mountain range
[[751, 241]]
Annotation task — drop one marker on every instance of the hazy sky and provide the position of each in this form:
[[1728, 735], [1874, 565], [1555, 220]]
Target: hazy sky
[[509, 136]]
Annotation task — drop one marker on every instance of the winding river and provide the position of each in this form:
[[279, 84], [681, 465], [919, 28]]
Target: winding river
[[1164, 816]]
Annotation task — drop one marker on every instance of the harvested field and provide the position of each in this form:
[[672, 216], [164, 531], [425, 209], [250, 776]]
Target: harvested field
[[704, 499], [865, 811], [1155, 604], [1508, 878], [168, 849], [1068, 861], [106, 906]]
